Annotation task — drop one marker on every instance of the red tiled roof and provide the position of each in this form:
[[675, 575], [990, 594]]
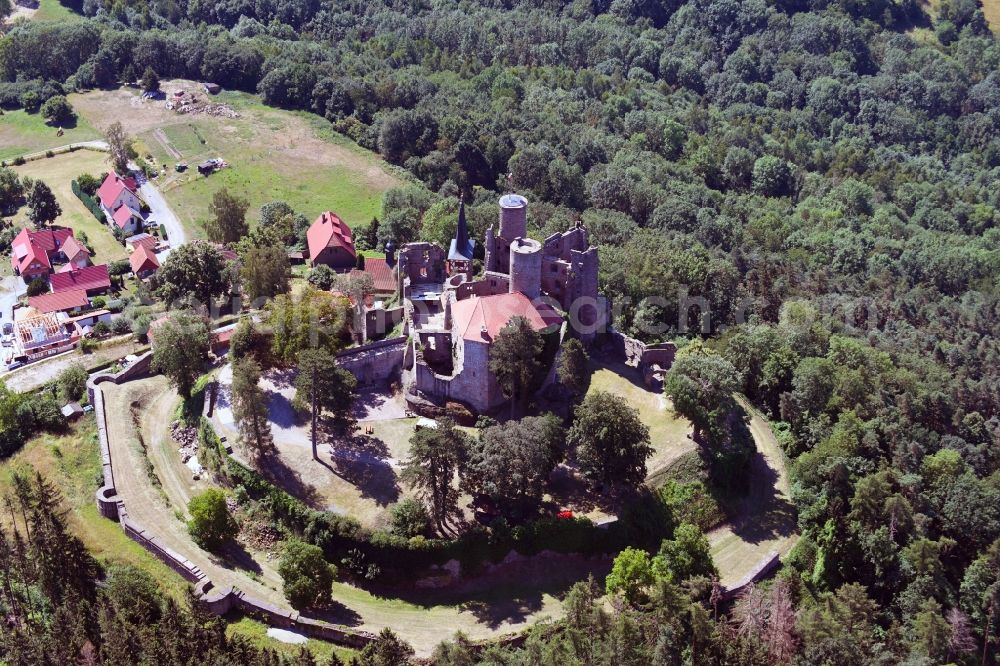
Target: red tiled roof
[[382, 279], [112, 187], [480, 319], [29, 246], [124, 215], [73, 247], [60, 302], [143, 239], [329, 231], [143, 259], [89, 278]]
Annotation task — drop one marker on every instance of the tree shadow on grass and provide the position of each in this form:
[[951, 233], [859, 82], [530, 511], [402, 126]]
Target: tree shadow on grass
[[763, 514], [234, 556], [568, 488], [336, 613], [510, 593], [274, 469], [360, 460]]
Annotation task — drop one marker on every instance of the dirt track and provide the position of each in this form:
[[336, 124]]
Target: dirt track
[[511, 601]]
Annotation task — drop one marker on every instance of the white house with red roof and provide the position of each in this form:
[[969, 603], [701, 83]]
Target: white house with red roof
[[33, 253], [331, 242], [120, 202]]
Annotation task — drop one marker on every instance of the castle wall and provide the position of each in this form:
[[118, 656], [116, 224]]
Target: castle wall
[[490, 285], [472, 384], [375, 363]]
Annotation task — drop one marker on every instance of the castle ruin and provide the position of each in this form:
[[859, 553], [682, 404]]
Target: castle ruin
[[453, 316]]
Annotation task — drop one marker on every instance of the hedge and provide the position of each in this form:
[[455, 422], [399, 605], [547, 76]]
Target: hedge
[[88, 201]]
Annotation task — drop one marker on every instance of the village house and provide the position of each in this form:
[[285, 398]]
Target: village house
[[77, 255], [143, 262], [93, 279], [120, 202], [34, 253], [71, 301], [383, 281], [331, 243], [132, 242]]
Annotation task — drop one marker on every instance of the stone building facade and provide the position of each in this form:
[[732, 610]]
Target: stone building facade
[[454, 318]]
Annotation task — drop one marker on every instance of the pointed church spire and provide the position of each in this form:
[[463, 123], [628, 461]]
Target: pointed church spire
[[462, 233], [461, 246]]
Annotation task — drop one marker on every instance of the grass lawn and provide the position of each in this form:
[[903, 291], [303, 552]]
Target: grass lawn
[[668, 433], [272, 155], [72, 462], [256, 633], [991, 10], [22, 133], [53, 10], [58, 172]]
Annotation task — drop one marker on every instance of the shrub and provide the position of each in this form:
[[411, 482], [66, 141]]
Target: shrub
[[307, 578], [692, 503], [38, 286], [211, 523], [410, 518], [121, 325], [101, 329], [99, 302], [72, 383]]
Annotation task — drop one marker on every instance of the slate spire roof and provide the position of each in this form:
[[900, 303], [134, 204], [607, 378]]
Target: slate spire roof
[[461, 246]]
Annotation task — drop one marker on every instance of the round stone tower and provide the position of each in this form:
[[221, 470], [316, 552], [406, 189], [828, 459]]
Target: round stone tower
[[513, 216], [526, 267]]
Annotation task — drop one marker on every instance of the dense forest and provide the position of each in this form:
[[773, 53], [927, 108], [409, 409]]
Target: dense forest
[[825, 176]]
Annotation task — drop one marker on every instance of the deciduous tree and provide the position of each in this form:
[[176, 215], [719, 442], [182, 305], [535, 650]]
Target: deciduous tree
[[120, 147], [179, 349], [307, 578], [611, 441], [193, 274], [264, 272], [509, 463], [43, 208], [211, 524], [228, 221]]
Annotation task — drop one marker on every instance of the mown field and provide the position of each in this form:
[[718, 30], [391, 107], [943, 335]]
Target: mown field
[[272, 154], [58, 173], [22, 133]]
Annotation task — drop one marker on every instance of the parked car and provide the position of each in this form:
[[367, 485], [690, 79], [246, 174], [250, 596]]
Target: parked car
[[88, 409], [8, 328], [15, 365]]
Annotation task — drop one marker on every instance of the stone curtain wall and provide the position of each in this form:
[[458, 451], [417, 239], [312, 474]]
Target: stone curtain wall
[[219, 601], [375, 363]]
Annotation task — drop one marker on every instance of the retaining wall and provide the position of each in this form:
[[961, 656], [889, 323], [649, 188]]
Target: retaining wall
[[375, 363], [218, 601]]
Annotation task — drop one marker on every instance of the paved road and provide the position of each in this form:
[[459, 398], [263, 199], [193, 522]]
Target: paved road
[[161, 213]]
